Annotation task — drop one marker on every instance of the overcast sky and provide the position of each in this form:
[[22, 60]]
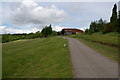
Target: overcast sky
[[26, 17]]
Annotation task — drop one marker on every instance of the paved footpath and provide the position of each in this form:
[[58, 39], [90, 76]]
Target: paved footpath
[[87, 63]]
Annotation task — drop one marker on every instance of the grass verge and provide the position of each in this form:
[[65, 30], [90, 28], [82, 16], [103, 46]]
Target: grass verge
[[109, 38], [37, 58], [109, 51]]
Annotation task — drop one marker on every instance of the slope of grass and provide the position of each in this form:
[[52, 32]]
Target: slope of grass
[[110, 38], [37, 58], [109, 51]]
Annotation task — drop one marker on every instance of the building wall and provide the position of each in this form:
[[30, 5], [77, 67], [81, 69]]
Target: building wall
[[77, 32], [68, 33]]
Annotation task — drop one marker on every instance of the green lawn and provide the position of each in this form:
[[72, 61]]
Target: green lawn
[[109, 51], [37, 58]]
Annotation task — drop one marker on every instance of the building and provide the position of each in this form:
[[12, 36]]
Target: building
[[69, 31]]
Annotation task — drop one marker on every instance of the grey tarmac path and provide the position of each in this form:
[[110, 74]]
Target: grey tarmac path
[[87, 63]]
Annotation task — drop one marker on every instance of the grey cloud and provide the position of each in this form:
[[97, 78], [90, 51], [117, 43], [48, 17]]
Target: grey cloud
[[31, 13], [6, 30]]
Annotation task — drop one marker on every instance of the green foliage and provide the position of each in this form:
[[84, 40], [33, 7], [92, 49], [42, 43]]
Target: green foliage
[[114, 14], [58, 33], [96, 26], [86, 31], [47, 31], [62, 32], [118, 24], [109, 28], [103, 26], [113, 26], [54, 33], [38, 34], [12, 37], [93, 27]]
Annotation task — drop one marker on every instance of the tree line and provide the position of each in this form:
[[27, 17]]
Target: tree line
[[106, 27], [46, 32]]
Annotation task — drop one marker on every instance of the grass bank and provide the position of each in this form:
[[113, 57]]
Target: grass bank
[[37, 58], [110, 38]]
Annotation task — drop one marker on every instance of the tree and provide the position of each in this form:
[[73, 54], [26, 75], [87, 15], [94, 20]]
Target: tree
[[63, 31], [5, 38], [109, 28], [37, 34], [50, 29], [58, 33], [31, 35], [119, 19], [114, 14], [113, 26], [93, 27], [86, 31], [101, 25], [54, 33], [118, 23], [96, 26], [47, 31]]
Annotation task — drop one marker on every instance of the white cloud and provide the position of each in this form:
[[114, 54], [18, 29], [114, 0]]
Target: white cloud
[[30, 13], [82, 29], [119, 5], [6, 30], [58, 28], [64, 0], [0, 13]]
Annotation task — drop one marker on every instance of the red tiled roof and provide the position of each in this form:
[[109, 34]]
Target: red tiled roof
[[73, 30]]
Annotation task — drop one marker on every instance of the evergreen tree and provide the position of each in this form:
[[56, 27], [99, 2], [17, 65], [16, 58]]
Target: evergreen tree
[[118, 23], [113, 25], [114, 14]]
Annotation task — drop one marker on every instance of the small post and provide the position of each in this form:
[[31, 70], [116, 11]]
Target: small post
[[64, 45]]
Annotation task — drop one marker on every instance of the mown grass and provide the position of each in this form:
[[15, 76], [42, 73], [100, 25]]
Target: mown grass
[[37, 58], [109, 51]]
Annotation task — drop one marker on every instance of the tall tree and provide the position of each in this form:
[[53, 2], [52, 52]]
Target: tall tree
[[118, 23], [93, 27], [101, 25], [114, 14], [113, 25], [47, 31]]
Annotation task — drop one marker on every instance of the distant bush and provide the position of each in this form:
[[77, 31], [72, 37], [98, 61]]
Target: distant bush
[[54, 33], [46, 32]]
